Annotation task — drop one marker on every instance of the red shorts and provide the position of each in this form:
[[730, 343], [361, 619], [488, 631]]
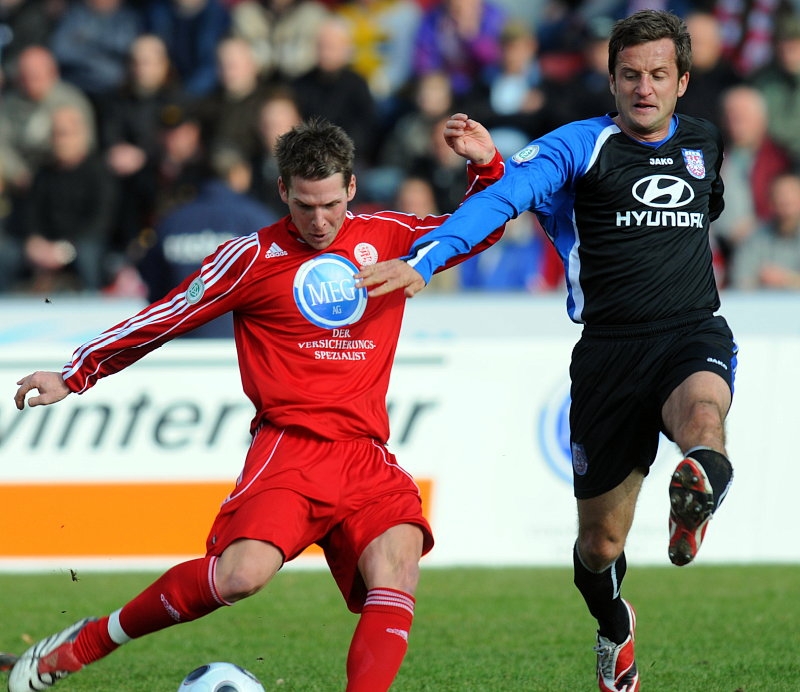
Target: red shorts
[[296, 490]]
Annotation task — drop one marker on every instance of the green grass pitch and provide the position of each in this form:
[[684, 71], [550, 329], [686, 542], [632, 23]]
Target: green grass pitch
[[700, 629]]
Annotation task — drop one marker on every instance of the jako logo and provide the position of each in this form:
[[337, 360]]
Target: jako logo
[[326, 294]]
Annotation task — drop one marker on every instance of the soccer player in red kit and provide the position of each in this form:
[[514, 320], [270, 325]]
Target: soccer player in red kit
[[315, 355]]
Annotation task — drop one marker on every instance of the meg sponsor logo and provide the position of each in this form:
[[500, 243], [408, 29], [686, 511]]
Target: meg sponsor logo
[[326, 294]]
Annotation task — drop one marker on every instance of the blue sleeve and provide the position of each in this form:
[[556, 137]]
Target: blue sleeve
[[535, 179]]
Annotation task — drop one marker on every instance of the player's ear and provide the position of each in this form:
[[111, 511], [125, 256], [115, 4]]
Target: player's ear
[[283, 191], [683, 84], [351, 188]]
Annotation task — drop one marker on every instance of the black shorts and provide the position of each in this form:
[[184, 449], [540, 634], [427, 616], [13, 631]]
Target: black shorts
[[621, 378]]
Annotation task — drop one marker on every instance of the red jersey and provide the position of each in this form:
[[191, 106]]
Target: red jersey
[[314, 350]]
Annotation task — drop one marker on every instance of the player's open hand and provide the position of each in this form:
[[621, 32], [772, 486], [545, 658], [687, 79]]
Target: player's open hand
[[385, 277], [469, 139], [50, 386]]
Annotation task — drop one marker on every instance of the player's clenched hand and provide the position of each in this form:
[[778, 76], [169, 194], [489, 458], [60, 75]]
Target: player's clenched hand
[[50, 386], [385, 277]]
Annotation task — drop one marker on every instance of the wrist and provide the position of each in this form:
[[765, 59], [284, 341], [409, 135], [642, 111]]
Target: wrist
[[485, 160]]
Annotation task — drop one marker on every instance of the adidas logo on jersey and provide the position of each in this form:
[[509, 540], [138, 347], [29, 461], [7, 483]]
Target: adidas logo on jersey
[[275, 251]]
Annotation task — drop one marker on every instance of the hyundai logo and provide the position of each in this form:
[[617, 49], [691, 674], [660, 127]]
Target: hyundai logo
[[663, 192]]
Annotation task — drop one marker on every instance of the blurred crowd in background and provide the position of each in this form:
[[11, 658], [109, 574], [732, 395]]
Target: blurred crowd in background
[[136, 135]]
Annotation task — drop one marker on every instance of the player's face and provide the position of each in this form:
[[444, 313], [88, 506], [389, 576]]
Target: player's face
[[318, 207], [646, 86]]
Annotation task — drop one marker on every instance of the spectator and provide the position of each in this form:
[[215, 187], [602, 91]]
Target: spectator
[[279, 114], [70, 210], [619, 9], [191, 30], [752, 160], [10, 245], [229, 114], [24, 23], [185, 236], [383, 37], [771, 256], [747, 32], [410, 138], [712, 73], [779, 82], [432, 98], [130, 135], [439, 166], [91, 43], [283, 34], [27, 112], [508, 97], [523, 260], [585, 93], [461, 38], [182, 165], [333, 90], [415, 195]]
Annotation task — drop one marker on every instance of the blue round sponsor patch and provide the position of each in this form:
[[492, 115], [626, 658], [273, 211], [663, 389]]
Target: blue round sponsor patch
[[526, 154], [325, 292]]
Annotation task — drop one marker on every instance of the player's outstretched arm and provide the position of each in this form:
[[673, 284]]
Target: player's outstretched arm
[[385, 277], [50, 386], [469, 139]]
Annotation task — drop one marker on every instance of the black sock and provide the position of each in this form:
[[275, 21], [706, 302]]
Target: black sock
[[718, 470], [601, 591]]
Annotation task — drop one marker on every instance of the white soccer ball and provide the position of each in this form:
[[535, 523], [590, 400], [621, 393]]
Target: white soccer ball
[[220, 677]]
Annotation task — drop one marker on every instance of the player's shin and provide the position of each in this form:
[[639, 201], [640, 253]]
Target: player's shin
[[601, 591], [380, 641]]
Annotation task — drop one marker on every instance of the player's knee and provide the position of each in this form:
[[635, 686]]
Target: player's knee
[[702, 423], [406, 576], [244, 568], [241, 582], [402, 574], [598, 551]]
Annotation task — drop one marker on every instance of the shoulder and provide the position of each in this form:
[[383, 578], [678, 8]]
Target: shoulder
[[693, 128], [583, 132], [692, 122], [576, 142], [383, 219]]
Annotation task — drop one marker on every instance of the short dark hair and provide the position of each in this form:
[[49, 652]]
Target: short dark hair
[[651, 25], [314, 150]]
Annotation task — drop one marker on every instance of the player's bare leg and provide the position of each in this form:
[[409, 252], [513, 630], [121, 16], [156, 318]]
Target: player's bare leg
[[599, 569], [184, 593], [390, 568], [695, 415]]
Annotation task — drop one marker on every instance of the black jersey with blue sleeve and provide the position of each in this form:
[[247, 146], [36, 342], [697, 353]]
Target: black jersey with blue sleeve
[[629, 219]]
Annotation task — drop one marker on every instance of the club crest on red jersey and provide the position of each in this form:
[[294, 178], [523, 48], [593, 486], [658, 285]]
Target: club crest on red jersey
[[695, 163], [325, 292], [365, 254]]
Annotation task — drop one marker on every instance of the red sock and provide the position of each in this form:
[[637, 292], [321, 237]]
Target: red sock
[[184, 593], [380, 641], [93, 641]]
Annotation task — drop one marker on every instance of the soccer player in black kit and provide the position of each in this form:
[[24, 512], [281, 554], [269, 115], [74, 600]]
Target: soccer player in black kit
[[626, 198]]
